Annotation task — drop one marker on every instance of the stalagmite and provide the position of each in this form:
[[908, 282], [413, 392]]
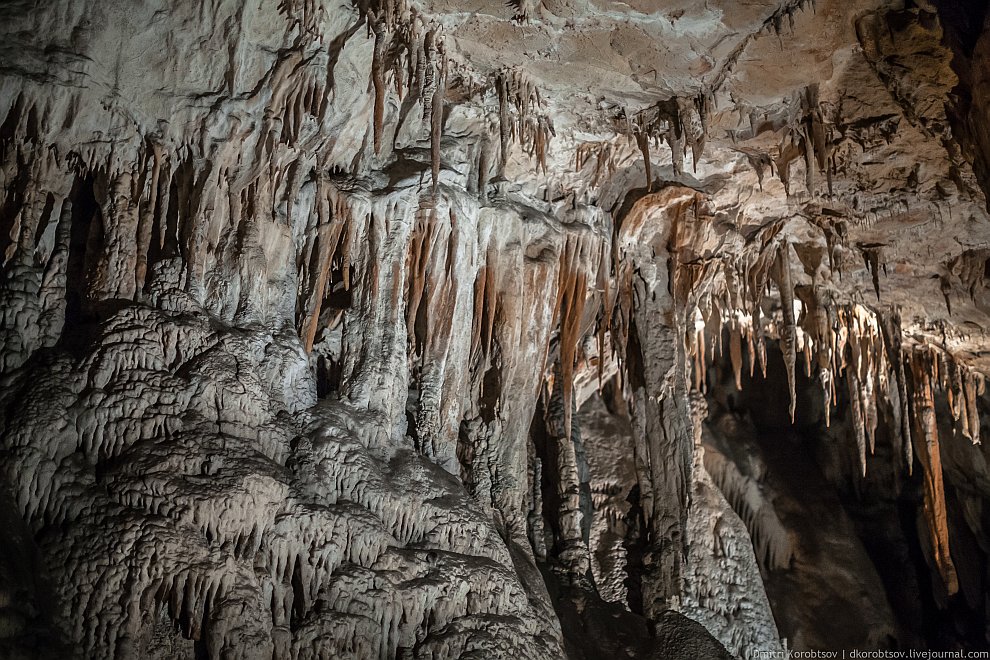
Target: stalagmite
[[565, 438]]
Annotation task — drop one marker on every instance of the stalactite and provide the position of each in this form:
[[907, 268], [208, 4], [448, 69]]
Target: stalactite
[[377, 25], [818, 344], [761, 349], [760, 162], [644, 146], [858, 416], [973, 386], [569, 306], [891, 327], [871, 255], [328, 238], [696, 347], [735, 353], [868, 402], [418, 262], [788, 335], [147, 218], [502, 88], [436, 119], [691, 115], [680, 122], [483, 319], [929, 456], [520, 119]]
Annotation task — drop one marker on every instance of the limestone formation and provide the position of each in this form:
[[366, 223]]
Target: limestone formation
[[540, 329]]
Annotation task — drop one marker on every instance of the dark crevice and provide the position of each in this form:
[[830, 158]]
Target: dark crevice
[[813, 468], [85, 236], [635, 547]]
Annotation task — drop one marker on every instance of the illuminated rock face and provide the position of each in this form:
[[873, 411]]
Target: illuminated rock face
[[453, 329]]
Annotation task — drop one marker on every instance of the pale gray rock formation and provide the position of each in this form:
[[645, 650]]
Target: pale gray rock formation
[[384, 329]]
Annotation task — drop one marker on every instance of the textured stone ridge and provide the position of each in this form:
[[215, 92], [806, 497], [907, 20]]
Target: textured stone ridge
[[436, 329]]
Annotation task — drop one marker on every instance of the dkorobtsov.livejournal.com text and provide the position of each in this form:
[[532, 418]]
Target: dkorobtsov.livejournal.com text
[[870, 655]]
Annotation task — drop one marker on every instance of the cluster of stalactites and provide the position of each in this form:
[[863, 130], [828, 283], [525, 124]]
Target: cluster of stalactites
[[805, 135], [175, 200], [961, 385], [581, 306], [864, 347], [731, 295], [731, 292], [521, 117], [326, 254], [931, 369], [853, 340], [603, 153], [431, 281], [850, 341], [409, 59], [680, 122], [807, 139], [569, 307]]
